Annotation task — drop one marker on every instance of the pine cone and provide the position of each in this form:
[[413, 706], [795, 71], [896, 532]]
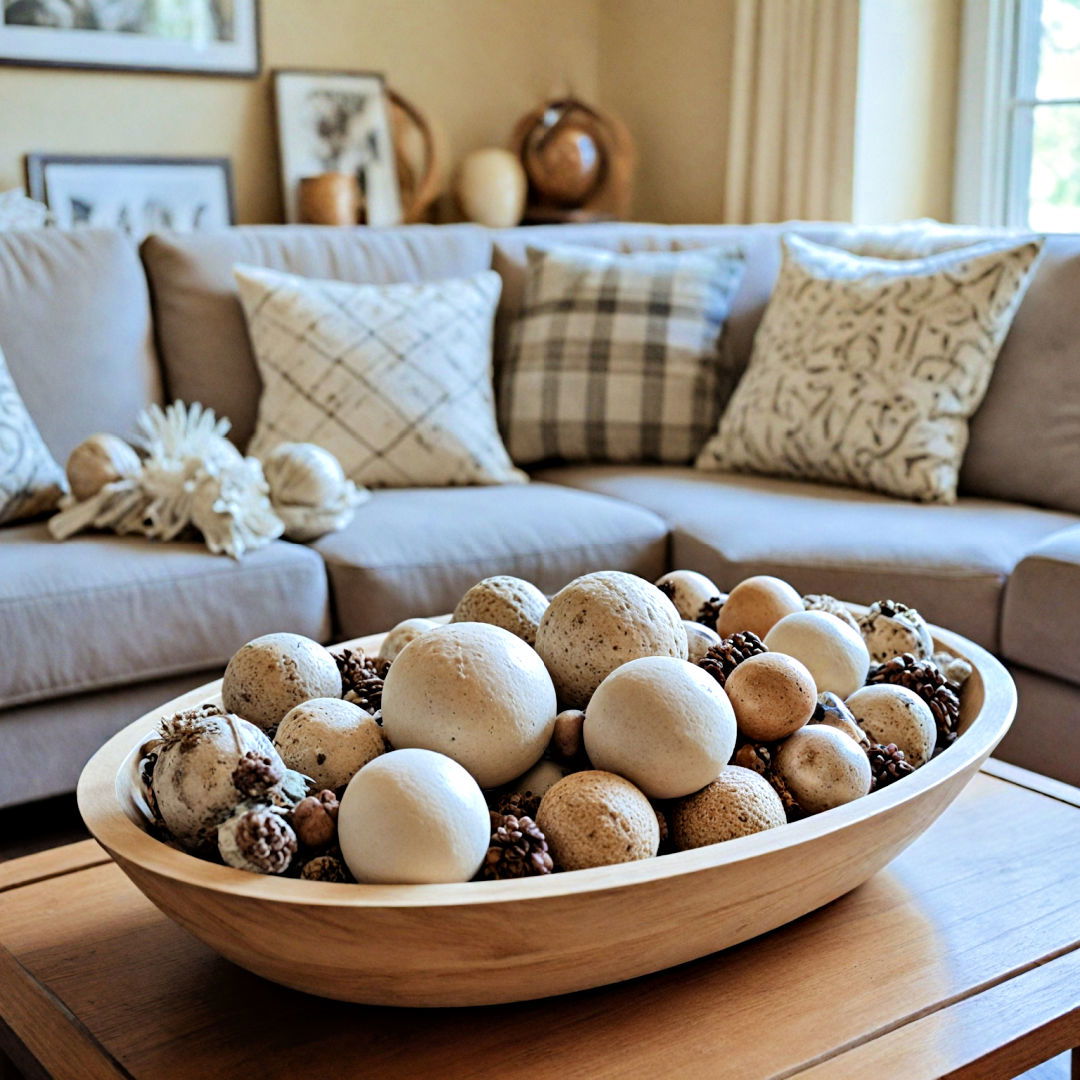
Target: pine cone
[[519, 804], [825, 602], [266, 841], [325, 868], [255, 775], [761, 757], [188, 727], [710, 612], [928, 681], [887, 765], [518, 849], [361, 678], [721, 660]]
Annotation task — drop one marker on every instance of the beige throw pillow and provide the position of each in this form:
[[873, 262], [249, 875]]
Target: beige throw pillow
[[30, 480], [864, 371], [394, 380]]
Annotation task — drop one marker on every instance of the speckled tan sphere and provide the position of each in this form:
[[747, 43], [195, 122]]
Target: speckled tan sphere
[[835, 654], [596, 818], [895, 714], [757, 604], [890, 629], [689, 591], [699, 640], [329, 740], [474, 692], [737, 803], [505, 601], [772, 695], [600, 621], [823, 768], [271, 674], [401, 635], [662, 723]]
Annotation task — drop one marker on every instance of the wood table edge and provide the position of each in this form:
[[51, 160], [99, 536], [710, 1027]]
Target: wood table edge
[[1033, 781], [55, 862]]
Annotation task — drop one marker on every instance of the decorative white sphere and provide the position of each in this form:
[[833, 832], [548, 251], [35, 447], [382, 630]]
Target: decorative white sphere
[[895, 714], [402, 634], [823, 768], [662, 723], [835, 654], [413, 817], [328, 739], [688, 590]]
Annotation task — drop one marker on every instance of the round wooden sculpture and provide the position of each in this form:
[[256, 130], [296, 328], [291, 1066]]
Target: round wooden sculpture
[[486, 942]]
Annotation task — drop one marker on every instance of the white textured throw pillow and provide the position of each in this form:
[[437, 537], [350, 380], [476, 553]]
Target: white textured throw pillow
[[616, 356], [865, 371], [394, 380], [30, 480]]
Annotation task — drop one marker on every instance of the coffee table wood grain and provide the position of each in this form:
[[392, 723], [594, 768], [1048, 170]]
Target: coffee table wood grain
[[961, 959]]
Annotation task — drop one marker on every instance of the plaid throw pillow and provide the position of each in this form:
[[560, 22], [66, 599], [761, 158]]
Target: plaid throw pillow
[[394, 380], [616, 356]]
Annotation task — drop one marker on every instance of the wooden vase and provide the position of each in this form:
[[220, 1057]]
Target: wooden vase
[[331, 198]]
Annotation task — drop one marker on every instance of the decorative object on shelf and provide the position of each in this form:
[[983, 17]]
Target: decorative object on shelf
[[19, 212], [337, 121], [491, 188], [417, 157], [137, 195], [199, 37], [579, 162], [331, 198]]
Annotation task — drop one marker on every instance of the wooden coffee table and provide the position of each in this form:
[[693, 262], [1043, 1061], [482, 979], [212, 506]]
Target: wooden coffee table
[[961, 959]]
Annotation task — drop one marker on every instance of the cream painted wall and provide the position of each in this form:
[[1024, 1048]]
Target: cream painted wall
[[473, 66]]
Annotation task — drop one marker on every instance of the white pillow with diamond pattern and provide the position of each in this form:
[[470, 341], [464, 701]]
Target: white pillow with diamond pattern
[[864, 371], [394, 380]]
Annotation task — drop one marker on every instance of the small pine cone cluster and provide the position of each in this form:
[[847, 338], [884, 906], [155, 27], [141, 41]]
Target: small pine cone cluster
[[188, 727], [326, 868], [519, 804], [887, 765], [710, 612], [760, 757], [518, 849], [927, 680], [315, 819], [361, 678], [721, 660], [255, 774], [266, 841]]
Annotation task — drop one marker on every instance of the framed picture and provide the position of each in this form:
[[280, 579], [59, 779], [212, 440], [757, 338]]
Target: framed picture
[[210, 37], [337, 121], [138, 195]]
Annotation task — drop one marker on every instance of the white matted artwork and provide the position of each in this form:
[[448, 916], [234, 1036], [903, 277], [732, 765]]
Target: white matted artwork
[[212, 37], [337, 121], [136, 195]]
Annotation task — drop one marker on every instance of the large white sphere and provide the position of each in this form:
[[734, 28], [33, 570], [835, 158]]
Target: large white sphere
[[474, 692], [835, 654], [662, 723], [413, 817], [895, 714]]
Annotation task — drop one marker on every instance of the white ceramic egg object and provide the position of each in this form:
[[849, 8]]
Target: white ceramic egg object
[[835, 654]]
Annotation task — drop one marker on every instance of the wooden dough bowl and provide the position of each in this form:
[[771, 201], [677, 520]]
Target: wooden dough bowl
[[486, 942]]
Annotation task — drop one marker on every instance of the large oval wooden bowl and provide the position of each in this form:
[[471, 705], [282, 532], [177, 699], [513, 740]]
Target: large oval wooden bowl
[[487, 942]]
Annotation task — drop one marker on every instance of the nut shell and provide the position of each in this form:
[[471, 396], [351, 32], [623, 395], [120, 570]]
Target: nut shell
[[738, 802], [834, 653], [822, 768], [895, 714], [600, 621], [757, 604], [772, 695], [596, 818], [505, 601], [328, 739]]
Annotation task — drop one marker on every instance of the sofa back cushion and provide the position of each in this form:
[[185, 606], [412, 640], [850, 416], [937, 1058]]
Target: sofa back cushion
[[75, 329], [202, 335]]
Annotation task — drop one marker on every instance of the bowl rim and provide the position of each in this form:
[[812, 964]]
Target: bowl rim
[[100, 804]]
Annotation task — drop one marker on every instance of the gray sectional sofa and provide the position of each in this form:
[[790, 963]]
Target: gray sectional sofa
[[99, 629]]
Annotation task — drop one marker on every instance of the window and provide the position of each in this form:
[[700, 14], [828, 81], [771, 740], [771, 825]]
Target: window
[[1018, 138]]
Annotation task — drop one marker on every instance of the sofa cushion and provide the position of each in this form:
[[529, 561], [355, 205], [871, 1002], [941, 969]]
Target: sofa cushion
[[75, 328], [1040, 624], [201, 331], [99, 611], [950, 562], [415, 552]]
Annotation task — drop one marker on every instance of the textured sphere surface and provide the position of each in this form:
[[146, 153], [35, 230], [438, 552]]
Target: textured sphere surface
[[268, 676], [662, 723], [474, 692], [823, 768], [600, 621], [596, 818], [413, 817], [757, 604], [688, 590], [887, 636], [329, 740], [772, 695], [895, 714], [405, 631], [737, 803], [835, 654], [505, 601]]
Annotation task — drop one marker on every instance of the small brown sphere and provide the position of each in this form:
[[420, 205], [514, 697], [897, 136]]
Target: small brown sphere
[[596, 818], [772, 695], [737, 803], [757, 604], [567, 742]]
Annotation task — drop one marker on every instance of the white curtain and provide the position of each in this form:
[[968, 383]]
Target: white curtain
[[792, 119]]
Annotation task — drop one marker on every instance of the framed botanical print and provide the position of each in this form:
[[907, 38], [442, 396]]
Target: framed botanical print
[[210, 37], [337, 121], [138, 195]]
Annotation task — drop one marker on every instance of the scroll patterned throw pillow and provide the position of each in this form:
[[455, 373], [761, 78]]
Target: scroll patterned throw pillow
[[864, 371], [394, 380], [616, 356], [30, 480]]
